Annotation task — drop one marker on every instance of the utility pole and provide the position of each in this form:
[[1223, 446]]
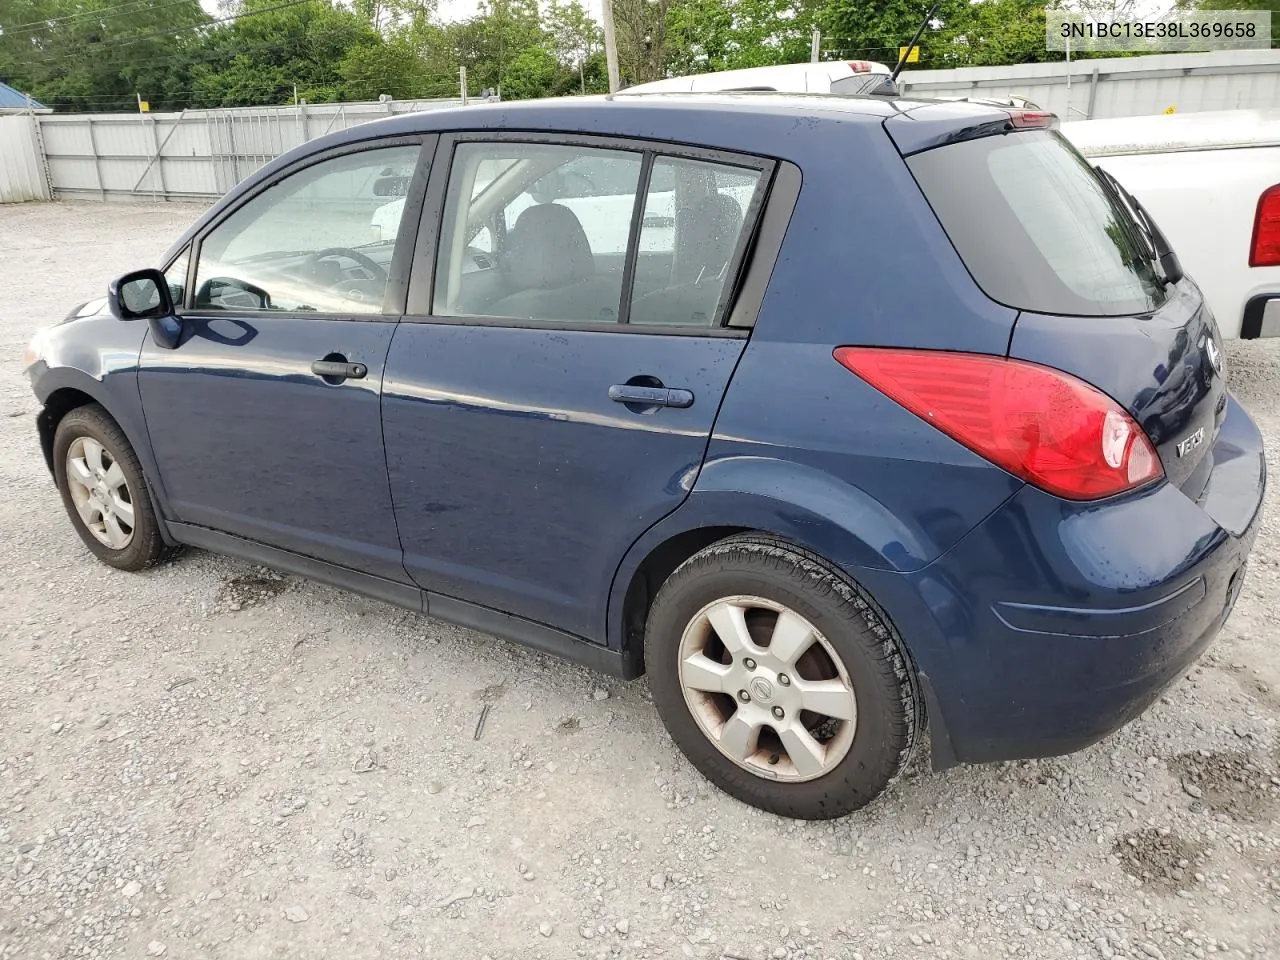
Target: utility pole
[[462, 83], [815, 45], [610, 45]]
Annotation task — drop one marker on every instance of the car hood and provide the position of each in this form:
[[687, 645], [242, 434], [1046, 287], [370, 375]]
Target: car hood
[[90, 308]]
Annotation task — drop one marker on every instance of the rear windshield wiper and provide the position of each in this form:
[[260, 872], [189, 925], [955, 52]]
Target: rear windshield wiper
[[1170, 266]]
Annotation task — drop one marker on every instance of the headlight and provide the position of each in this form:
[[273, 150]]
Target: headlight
[[34, 352]]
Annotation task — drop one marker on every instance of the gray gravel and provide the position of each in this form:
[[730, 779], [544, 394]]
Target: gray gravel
[[209, 760]]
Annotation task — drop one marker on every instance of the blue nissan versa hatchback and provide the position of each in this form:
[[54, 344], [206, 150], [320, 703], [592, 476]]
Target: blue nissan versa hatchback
[[833, 415]]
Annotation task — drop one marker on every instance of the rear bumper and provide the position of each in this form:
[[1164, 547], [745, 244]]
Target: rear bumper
[[1053, 624]]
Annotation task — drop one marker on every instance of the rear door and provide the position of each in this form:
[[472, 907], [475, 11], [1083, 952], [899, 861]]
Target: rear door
[[1041, 232], [545, 404]]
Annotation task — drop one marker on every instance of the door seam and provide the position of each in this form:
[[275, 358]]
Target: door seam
[[386, 456], [702, 461]]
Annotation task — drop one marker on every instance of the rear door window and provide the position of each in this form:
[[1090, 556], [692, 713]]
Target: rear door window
[[548, 232], [1037, 228], [689, 240]]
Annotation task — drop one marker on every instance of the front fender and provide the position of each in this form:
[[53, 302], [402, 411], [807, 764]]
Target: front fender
[[104, 369]]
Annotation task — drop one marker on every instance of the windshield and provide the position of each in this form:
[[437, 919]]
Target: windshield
[[1037, 228]]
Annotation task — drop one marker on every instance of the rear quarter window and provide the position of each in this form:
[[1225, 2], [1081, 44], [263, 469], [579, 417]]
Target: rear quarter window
[[1037, 228]]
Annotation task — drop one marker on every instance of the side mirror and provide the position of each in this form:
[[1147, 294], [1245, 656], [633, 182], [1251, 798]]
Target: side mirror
[[144, 295], [140, 295]]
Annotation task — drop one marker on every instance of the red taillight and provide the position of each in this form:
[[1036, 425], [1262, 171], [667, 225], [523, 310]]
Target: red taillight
[[1031, 119], [860, 66], [1040, 424], [1264, 251]]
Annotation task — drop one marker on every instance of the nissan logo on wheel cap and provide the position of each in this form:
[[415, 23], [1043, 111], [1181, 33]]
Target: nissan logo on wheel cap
[[761, 689]]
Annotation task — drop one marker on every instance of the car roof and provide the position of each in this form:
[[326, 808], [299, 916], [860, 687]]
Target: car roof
[[762, 124], [747, 119], [763, 103]]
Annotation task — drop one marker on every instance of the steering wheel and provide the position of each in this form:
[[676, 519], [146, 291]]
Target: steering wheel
[[377, 271]]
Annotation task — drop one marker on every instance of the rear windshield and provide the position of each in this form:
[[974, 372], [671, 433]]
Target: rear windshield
[[1037, 228]]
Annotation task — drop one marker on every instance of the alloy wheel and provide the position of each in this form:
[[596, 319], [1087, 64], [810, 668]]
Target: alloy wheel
[[767, 689], [100, 492]]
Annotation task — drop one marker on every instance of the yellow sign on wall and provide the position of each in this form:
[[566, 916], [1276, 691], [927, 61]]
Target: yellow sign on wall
[[912, 57], [1170, 109]]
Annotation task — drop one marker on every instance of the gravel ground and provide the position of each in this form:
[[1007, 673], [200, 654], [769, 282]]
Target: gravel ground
[[209, 760]]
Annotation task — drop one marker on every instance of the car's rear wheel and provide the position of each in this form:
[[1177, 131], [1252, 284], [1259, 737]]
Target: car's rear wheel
[[779, 679], [102, 488]]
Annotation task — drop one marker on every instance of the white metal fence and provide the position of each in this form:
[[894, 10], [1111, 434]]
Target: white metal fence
[[22, 171], [1120, 86], [201, 154], [193, 155]]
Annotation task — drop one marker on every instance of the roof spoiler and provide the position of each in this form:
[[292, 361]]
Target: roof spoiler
[[890, 87]]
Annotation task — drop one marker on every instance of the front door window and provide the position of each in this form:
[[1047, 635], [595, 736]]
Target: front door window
[[319, 241]]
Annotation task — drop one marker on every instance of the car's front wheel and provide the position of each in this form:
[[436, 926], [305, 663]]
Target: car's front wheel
[[779, 679], [102, 488]]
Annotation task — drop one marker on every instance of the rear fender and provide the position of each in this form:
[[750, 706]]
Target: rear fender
[[866, 542], [834, 519]]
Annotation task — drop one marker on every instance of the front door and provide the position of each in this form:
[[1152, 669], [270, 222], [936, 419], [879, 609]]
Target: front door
[[265, 420], [554, 398]]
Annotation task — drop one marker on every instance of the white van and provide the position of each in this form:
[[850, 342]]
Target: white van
[[846, 77]]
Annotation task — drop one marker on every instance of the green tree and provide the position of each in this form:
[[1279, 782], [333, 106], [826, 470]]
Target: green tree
[[875, 29], [998, 32], [98, 54], [573, 37], [393, 67], [533, 73], [641, 30], [261, 57], [731, 34], [700, 36]]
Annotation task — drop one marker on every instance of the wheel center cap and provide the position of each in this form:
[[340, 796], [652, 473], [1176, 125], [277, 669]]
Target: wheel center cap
[[761, 689]]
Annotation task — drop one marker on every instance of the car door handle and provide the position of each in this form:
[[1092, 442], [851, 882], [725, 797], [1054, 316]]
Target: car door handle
[[651, 396], [339, 369]]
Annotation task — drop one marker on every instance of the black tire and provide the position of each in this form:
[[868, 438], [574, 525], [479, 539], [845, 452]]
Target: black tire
[[145, 546], [852, 624]]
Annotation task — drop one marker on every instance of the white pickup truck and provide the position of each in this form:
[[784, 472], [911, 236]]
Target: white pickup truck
[[1211, 181]]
